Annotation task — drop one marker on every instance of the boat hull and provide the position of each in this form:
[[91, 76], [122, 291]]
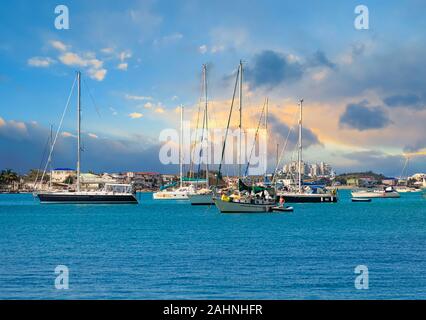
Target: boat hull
[[170, 195], [197, 199], [302, 198], [392, 194], [52, 198], [241, 207], [361, 199]]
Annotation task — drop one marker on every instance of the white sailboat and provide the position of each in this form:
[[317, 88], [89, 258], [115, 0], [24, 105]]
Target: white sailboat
[[239, 201], [180, 193], [110, 194], [387, 192], [402, 186], [203, 196], [302, 193]]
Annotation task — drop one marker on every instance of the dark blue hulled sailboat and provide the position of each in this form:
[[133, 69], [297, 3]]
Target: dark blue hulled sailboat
[[110, 194]]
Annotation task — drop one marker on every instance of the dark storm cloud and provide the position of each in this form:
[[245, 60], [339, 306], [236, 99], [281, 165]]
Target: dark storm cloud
[[272, 68], [319, 59], [361, 116], [280, 130], [410, 100], [25, 143], [379, 162], [415, 146]]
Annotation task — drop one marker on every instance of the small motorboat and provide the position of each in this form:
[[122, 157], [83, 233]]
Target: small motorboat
[[361, 199], [282, 209]]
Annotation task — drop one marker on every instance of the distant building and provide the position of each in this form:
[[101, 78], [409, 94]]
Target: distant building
[[168, 178], [390, 181], [60, 174], [145, 179], [361, 182], [352, 182], [315, 170]]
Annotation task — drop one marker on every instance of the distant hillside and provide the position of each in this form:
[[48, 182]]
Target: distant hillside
[[342, 178]]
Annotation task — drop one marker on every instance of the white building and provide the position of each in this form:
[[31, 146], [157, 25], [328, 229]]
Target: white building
[[60, 174]]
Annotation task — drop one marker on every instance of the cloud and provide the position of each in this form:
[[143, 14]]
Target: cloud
[[319, 59], [94, 66], [59, 45], [217, 49], [122, 66], [92, 135], [97, 74], [169, 39], [115, 154], [137, 98], [159, 110], [113, 111], [107, 50], [135, 115], [67, 134], [40, 62], [203, 49], [410, 100], [272, 68], [148, 105], [280, 130], [228, 38], [361, 116], [380, 162]]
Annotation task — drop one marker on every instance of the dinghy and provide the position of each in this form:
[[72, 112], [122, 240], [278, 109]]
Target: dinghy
[[361, 199], [282, 209]]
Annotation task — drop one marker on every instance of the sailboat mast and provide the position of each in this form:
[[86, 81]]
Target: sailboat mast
[[206, 123], [180, 147], [78, 127], [266, 137], [300, 146], [240, 110], [50, 156]]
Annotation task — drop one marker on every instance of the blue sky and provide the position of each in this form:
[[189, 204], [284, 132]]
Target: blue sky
[[364, 89]]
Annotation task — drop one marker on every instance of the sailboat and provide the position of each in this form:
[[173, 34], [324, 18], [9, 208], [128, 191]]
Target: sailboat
[[112, 193], [170, 192], [302, 193], [388, 192], [203, 196], [246, 199], [403, 179]]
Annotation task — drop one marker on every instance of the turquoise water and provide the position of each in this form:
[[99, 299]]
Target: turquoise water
[[170, 250]]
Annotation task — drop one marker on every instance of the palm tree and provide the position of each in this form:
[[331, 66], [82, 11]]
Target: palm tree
[[8, 176]]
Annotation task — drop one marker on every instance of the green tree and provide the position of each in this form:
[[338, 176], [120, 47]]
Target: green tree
[[8, 176], [69, 180]]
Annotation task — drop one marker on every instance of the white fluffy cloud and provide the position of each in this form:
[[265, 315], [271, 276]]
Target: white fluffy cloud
[[40, 62], [58, 45], [88, 60], [137, 98], [94, 65], [203, 49], [135, 115], [122, 66]]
